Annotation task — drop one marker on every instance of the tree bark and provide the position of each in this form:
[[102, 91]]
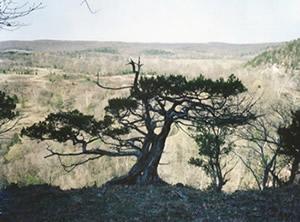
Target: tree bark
[[144, 171], [294, 170]]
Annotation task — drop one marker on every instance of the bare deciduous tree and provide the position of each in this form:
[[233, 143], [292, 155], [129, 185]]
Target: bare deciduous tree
[[11, 11], [263, 145]]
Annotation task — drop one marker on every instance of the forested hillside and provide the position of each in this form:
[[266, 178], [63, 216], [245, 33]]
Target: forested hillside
[[287, 56]]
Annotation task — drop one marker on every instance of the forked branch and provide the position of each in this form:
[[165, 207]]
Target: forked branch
[[136, 69]]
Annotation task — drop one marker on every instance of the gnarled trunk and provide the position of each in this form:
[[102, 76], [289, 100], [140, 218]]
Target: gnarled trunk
[[144, 171]]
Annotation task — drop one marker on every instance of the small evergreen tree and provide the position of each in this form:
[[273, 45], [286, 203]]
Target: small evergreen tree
[[213, 150]]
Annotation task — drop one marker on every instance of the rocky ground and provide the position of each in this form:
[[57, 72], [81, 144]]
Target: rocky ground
[[147, 203]]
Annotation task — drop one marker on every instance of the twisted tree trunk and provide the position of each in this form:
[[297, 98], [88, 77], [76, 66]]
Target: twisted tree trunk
[[144, 171]]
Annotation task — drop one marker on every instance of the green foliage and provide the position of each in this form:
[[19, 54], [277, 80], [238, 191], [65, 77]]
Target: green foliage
[[213, 148], [72, 126], [7, 106], [64, 126], [179, 85], [117, 105]]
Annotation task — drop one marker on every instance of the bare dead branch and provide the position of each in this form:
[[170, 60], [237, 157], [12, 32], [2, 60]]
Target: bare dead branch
[[86, 2], [257, 180], [110, 88], [11, 11]]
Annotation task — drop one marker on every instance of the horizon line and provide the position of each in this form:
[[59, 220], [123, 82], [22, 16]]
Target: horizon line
[[148, 42]]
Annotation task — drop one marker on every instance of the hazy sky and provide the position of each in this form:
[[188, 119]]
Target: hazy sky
[[236, 21]]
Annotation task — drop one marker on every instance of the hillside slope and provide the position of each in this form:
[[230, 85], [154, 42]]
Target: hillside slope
[[287, 56]]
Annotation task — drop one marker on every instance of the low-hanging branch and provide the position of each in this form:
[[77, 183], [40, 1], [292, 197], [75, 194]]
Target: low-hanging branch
[[95, 151]]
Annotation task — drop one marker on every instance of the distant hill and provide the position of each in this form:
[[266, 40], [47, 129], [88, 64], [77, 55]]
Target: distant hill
[[286, 56], [186, 50]]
